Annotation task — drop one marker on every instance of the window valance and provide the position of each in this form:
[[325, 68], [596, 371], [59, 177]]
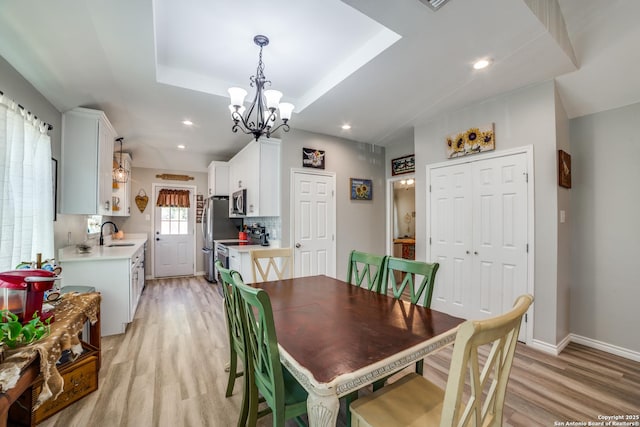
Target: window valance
[[173, 198]]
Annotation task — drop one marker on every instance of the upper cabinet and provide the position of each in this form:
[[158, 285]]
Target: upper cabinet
[[256, 168], [87, 161], [121, 191], [218, 179]]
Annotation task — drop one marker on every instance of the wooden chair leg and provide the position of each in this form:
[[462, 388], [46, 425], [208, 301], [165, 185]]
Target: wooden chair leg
[[244, 409], [347, 400], [377, 385], [253, 402], [233, 373]]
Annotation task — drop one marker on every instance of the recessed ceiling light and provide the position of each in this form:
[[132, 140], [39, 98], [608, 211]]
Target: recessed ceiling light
[[346, 127], [187, 122], [182, 146], [482, 63]]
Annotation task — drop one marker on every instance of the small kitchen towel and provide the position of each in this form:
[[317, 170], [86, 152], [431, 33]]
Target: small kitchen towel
[[141, 200]]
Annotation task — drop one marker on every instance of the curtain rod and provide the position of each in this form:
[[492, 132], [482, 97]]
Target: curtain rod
[[49, 127]]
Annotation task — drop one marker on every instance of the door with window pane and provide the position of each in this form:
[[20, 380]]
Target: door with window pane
[[174, 237]]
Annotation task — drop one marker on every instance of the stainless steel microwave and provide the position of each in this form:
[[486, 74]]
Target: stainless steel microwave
[[238, 202]]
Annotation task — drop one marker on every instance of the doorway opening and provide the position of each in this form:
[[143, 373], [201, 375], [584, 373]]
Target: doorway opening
[[401, 216]]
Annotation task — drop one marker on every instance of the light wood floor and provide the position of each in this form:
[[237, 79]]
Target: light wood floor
[[168, 370]]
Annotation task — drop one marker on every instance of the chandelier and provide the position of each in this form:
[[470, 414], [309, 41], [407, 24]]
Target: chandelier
[[260, 118], [120, 174]]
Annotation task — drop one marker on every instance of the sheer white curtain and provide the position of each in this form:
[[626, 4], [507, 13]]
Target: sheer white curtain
[[26, 187]]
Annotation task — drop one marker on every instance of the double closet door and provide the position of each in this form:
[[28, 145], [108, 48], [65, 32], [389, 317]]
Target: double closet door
[[478, 234]]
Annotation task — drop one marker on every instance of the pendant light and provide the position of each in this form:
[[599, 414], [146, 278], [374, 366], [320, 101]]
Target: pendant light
[[120, 174]]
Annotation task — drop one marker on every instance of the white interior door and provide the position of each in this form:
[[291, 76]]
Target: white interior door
[[499, 233], [479, 227], [174, 238], [314, 222], [451, 239]]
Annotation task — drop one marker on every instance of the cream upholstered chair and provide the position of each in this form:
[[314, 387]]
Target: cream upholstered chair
[[414, 401], [263, 261]]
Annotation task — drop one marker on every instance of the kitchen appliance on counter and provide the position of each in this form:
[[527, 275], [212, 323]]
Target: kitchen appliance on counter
[[216, 225], [23, 292], [258, 235]]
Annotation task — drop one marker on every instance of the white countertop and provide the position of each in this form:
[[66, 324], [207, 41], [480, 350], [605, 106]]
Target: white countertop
[[105, 252], [248, 248]]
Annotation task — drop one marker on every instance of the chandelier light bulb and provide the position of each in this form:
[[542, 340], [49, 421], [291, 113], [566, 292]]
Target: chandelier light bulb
[[237, 95], [272, 98], [285, 110]]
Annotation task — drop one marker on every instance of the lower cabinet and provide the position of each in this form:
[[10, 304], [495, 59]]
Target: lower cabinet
[[119, 281], [240, 261]]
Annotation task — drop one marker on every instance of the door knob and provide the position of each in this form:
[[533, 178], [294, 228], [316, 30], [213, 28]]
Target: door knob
[[298, 245]]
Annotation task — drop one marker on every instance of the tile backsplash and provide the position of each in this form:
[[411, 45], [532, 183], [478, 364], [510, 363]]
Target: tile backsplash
[[272, 224]]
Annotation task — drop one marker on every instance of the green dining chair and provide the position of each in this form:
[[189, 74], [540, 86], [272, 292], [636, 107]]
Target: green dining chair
[[367, 266], [283, 394], [404, 274], [400, 274], [236, 339]]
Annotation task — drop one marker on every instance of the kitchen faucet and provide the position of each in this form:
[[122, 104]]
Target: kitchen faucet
[[115, 230]]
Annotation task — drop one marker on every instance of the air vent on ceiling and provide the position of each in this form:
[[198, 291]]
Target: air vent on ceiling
[[434, 4]]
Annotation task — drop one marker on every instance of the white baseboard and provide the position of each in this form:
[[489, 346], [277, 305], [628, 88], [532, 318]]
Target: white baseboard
[[563, 343], [200, 273], [599, 345], [545, 347], [609, 348]]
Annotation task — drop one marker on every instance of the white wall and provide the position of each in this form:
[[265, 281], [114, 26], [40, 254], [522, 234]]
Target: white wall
[[605, 199], [360, 224], [522, 117]]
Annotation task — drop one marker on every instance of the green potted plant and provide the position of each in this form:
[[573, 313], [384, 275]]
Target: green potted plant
[[15, 334]]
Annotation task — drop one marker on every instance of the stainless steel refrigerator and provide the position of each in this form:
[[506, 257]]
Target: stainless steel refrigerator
[[216, 225]]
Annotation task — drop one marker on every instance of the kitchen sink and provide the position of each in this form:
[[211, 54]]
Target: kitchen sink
[[120, 244]]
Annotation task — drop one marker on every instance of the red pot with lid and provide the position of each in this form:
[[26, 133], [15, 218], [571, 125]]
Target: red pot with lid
[[22, 291]]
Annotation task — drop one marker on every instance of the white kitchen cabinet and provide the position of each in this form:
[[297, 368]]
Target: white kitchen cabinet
[[218, 179], [256, 168], [240, 261], [87, 162], [117, 273], [136, 280], [121, 191]]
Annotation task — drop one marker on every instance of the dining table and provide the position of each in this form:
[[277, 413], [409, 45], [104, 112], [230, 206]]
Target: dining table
[[335, 337]]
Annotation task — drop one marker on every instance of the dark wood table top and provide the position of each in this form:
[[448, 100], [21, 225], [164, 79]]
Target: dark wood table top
[[332, 328]]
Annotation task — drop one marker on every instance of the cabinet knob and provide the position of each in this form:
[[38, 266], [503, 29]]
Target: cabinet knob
[[468, 252], [475, 252], [298, 245]]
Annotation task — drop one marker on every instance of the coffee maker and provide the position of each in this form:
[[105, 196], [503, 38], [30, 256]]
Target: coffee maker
[[258, 235]]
